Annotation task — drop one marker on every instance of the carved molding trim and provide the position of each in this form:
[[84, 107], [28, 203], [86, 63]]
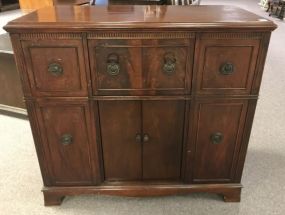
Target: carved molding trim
[[30, 36], [245, 35], [134, 35]]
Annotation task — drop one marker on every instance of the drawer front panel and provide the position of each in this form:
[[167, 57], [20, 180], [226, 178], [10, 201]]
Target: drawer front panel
[[56, 68], [66, 135], [226, 66], [219, 127], [141, 67]]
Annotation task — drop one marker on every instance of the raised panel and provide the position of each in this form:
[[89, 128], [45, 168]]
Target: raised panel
[[56, 68], [219, 128], [163, 122], [66, 133], [120, 123], [226, 66]]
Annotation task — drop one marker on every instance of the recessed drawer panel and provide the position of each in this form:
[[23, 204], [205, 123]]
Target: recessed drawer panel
[[141, 67], [226, 66], [56, 68]]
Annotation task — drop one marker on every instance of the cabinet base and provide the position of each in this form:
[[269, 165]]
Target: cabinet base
[[55, 195]]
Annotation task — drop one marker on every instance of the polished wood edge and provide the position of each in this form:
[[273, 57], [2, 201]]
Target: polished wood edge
[[17, 28], [155, 97], [55, 195]]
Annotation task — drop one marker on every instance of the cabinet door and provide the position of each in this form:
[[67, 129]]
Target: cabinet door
[[67, 142], [163, 123], [219, 129], [120, 124]]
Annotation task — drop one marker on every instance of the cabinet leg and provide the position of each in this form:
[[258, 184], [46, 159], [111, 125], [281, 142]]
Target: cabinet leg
[[232, 195], [51, 199]]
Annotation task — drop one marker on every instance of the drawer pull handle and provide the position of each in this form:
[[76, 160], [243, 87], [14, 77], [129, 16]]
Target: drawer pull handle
[[217, 138], [66, 139], [169, 63], [138, 138], [55, 69], [113, 66], [145, 138], [227, 69]]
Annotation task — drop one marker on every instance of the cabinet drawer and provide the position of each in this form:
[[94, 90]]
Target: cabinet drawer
[[56, 68], [67, 142], [136, 67], [218, 133], [226, 66]]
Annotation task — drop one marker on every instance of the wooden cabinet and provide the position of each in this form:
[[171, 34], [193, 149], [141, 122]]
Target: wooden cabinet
[[145, 152], [124, 103]]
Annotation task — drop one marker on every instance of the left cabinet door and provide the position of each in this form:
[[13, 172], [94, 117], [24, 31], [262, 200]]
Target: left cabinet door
[[67, 142]]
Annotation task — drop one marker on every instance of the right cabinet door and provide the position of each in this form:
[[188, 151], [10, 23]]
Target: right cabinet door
[[163, 124], [218, 127]]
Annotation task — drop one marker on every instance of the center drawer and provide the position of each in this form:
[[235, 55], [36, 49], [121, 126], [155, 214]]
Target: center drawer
[[141, 66]]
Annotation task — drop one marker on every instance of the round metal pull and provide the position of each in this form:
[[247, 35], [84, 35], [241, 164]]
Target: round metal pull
[[227, 69], [217, 138], [169, 63], [113, 66], [138, 138], [66, 139], [145, 138], [55, 69]]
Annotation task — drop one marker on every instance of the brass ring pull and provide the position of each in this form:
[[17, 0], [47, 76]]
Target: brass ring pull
[[217, 138], [169, 63], [227, 68], [55, 69], [113, 66], [66, 139]]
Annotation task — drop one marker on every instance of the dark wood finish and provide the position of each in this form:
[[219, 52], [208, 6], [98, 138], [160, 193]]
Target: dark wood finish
[[121, 153], [214, 53], [69, 162], [68, 54], [230, 192], [163, 123], [134, 76], [216, 161], [157, 100], [133, 17]]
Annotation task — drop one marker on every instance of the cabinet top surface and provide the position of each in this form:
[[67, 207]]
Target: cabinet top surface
[[139, 16]]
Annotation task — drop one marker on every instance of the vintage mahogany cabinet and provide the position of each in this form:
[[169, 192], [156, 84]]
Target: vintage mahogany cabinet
[[140, 100]]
